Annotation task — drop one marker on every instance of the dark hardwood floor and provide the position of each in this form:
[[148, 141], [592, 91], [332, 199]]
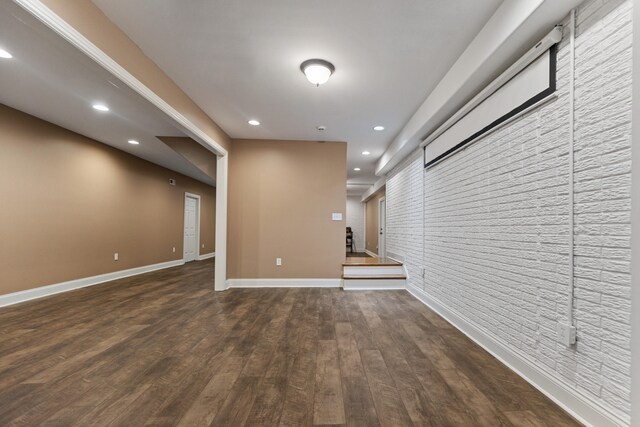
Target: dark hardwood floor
[[163, 349]]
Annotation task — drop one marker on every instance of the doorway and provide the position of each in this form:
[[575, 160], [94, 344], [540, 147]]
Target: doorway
[[382, 224], [191, 227]]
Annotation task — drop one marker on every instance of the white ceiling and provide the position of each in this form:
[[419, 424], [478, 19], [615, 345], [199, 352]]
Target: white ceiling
[[239, 60], [50, 79]]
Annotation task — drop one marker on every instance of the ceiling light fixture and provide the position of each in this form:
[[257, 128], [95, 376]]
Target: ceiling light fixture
[[253, 122], [356, 169], [317, 71], [365, 153], [5, 55], [133, 142], [378, 128], [100, 107]]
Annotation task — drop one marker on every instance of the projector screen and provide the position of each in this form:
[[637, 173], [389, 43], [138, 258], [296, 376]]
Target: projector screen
[[532, 84]]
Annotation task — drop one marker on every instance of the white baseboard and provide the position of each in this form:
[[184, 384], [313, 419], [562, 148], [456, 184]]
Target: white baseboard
[[284, 283], [368, 252], [43, 291], [206, 256], [583, 408]]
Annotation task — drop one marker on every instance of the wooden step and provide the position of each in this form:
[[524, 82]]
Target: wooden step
[[370, 262], [390, 277]]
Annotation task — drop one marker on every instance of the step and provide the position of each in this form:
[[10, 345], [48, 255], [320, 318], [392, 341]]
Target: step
[[370, 262], [390, 277], [373, 284], [373, 270]]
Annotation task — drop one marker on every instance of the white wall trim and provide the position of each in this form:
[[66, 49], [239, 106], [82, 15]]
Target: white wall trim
[[43, 291], [220, 273], [284, 283], [66, 31], [206, 256], [368, 252], [584, 409]]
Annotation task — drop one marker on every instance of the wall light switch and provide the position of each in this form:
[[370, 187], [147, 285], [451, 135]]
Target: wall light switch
[[336, 216], [174, 249], [278, 262], [115, 256], [203, 246]]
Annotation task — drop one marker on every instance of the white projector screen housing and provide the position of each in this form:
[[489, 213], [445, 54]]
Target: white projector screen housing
[[532, 84]]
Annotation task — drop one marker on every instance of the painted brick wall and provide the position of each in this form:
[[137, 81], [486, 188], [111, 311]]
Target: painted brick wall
[[404, 216], [495, 217], [355, 220]]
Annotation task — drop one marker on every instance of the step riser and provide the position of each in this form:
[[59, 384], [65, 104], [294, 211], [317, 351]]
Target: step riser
[[374, 284], [373, 271]]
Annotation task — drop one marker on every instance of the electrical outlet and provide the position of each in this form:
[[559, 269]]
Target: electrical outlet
[[566, 334], [115, 256], [174, 249], [203, 246], [279, 262]]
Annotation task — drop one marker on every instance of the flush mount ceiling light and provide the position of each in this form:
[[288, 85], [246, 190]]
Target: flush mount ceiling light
[[356, 169], [100, 107], [133, 142], [365, 153], [5, 55], [317, 71], [254, 122], [378, 128]]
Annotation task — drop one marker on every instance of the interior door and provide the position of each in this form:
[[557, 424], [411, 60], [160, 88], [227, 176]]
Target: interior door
[[382, 222], [190, 228]]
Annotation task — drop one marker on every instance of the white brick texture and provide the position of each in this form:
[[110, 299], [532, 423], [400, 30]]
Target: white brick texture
[[404, 216], [495, 219]]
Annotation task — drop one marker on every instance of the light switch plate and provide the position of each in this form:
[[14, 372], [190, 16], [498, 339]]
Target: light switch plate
[[336, 216]]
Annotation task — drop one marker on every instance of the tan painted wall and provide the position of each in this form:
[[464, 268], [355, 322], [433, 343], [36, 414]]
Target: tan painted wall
[[89, 20], [281, 196], [372, 221], [69, 203]]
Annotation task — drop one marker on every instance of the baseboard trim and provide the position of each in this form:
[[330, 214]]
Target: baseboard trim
[[371, 254], [206, 256], [584, 409], [284, 283], [44, 291]]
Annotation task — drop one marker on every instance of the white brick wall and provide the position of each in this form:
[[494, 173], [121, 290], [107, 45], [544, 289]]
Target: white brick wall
[[495, 217], [404, 215], [355, 220]]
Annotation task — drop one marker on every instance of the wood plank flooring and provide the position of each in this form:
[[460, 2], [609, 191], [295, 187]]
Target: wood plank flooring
[[163, 349]]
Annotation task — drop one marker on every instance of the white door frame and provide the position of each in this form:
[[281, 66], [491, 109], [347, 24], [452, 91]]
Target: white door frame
[[382, 229], [184, 224]]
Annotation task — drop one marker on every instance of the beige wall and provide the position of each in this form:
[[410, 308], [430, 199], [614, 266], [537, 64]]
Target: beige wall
[[89, 20], [281, 196], [372, 227], [69, 203]]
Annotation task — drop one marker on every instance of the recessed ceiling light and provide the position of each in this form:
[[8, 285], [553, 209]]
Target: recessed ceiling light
[[378, 128], [365, 153], [5, 55], [100, 107], [254, 122], [356, 169], [133, 142], [317, 71]]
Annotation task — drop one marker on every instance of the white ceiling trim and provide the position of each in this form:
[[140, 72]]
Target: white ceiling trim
[[62, 28]]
